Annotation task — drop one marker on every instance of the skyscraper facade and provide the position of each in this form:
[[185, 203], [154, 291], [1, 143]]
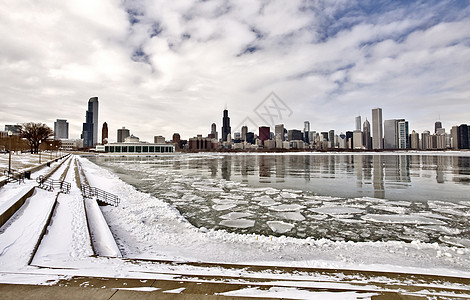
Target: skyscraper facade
[[244, 132], [90, 127], [390, 134], [279, 132], [264, 134], [61, 129], [306, 131], [403, 135], [104, 134], [226, 130], [214, 134], [358, 123], [377, 131], [437, 126], [366, 135]]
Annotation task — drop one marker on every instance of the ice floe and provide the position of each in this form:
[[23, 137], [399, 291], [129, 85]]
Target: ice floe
[[238, 223], [279, 226]]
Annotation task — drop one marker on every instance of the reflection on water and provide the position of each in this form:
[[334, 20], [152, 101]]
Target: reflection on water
[[339, 197]]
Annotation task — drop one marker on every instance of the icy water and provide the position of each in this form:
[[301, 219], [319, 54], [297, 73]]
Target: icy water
[[360, 197]]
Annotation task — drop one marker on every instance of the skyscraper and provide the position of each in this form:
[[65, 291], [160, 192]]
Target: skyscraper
[[403, 135], [279, 132], [244, 132], [377, 131], [437, 126], [358, 123], [61, 129], [390, 134], [367, 138], [104, 134], [226, 130], [122, 134], [306, 131], [90, 127], [264, 134], [214, 134]]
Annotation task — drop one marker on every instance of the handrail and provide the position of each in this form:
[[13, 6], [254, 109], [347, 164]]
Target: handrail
[[103, 196], [14, 176], [50, 184]]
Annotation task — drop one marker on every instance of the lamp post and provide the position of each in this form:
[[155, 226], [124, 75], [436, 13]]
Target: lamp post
[[9, 152], [51, 150], [39, 151]]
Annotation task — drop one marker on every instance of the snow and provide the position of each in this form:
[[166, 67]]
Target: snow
[[148, 227]]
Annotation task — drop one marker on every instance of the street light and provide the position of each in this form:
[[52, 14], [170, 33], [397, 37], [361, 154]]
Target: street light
[[9, 152], [39, 150], [51, 150]]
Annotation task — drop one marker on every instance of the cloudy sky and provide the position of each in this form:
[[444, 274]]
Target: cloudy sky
[[160, 67]]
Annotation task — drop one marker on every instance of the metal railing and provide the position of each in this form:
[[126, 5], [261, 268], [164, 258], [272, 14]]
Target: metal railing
[[13, 176], [51, 184], [103, 196]]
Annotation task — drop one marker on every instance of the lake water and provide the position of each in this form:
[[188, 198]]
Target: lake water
[[350, 197]]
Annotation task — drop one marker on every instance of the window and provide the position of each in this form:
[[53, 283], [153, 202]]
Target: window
[[145, 149], [138, 149], [124, 149], [151, 149], [131, 149], [118, 148]]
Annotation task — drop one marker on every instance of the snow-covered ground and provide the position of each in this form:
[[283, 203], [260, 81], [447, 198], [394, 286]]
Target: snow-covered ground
[[146, 227]]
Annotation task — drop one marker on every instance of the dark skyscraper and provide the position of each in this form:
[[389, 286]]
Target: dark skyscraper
[[437, 125], [90, 127], [264, 134], [226, 130], [104, 134], [366, 136]]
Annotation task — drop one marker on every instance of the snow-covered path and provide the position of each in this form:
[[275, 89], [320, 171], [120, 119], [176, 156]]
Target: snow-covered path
[[19, 235], [67, 236]]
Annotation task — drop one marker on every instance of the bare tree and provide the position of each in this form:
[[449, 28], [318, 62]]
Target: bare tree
[[35, 133]]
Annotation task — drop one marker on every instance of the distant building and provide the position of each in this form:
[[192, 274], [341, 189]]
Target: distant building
[[122, 134], [414, 140], [214, 133], [454, 133], [349, 139], [331, 139], [426, 142], [358, 123], [306, 131], [250, 137], [403, 135], [390, 134], [437, 126], [199, 143], [15, 129], [226, 129], [463, 136], [132, 139], [357, 139], [244, 132], [377, 131], [90, 127], [159, 139], [61, 129], [176, 141], [294, 135], [367, 139], [264, 134], [279, 131], [104, 134]]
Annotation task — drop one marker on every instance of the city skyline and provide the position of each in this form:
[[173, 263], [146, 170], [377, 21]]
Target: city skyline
[[173, 68]]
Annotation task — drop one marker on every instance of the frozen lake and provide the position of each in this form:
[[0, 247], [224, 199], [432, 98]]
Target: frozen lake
[[344, 197]]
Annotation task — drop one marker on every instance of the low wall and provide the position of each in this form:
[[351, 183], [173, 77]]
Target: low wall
[[9, 212]]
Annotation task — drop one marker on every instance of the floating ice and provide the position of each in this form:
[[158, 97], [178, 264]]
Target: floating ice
[[262, 198], [287, 195], [336, 210], [459, 242], [287, 207], [294, 216], [238, 223], [443, 229], [235, 215], [268, 203], [279, 226], [392, 209], [449, 211], [220, 207], [317, 217], [401, 219]]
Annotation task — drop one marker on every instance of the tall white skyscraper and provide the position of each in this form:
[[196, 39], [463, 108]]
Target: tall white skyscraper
[[377, 131], [306, 131]]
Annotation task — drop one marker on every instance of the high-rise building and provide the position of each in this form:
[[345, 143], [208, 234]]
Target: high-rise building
[[414, 140], [214, 133], [390, 134], [403, 135], [437, 126], [264, 134], [176, 140], [122, 134], [90, 127], [244, 132], [294, 135], [104, 134], [61, 129], [279, 132], [377, 131], [366, 136], [226, 130], [250, 137], [158, 139], [463, 136], [331, 139], [358, 123], [426, 140], [306, 131], [454, 132]]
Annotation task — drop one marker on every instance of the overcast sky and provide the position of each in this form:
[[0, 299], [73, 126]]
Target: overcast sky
[[160, 67]]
